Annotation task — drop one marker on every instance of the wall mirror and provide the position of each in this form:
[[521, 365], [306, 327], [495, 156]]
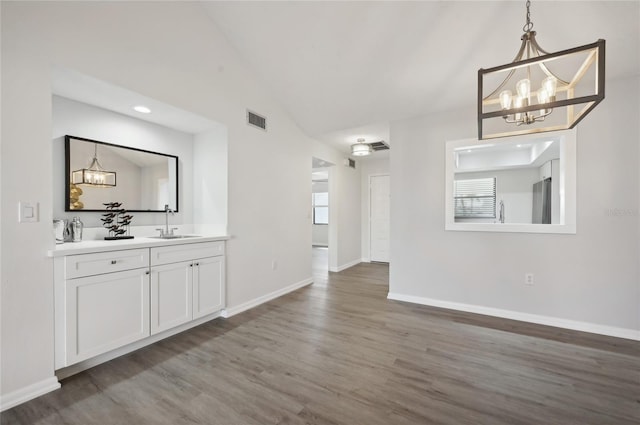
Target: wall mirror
[[98, 172], [517, 184]]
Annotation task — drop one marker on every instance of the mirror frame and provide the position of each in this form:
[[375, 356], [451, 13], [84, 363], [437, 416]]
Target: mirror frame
[[567, 186], [67, 169]]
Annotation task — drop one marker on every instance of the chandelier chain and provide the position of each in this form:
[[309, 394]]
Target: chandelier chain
[[529, 25]]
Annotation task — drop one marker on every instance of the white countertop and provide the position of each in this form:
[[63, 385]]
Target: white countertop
[[89, 246]]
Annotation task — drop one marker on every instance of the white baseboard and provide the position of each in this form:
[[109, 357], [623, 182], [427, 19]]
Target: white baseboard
[[7, 401], [232, 311], [345, 266], [365, 260], [524, 317]]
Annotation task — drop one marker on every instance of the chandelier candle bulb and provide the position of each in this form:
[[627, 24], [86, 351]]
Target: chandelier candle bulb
[[543, 97], [505, 99], [518, 105], [550, 85], [524, 91]]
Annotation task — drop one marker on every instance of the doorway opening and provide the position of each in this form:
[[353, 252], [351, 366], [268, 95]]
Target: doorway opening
[[320, 222]]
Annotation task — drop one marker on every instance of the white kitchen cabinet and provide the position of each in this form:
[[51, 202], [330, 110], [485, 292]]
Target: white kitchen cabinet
[[104, 312], [101, 303], [208, 286], [108, 302], [171, 295], [185, 290]]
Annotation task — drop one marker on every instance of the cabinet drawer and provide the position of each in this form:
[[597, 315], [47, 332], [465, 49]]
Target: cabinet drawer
[[105, 262], [176, 253]]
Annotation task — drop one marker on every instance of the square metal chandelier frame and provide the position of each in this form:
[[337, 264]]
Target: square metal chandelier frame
[[595, 57]]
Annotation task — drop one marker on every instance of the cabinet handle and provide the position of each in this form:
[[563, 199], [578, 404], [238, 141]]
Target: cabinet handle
[[197, 264], [191, 265], [147, 272], [113, 261]]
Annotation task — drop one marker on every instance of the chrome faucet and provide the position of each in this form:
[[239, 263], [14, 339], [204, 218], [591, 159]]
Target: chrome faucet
[[501, 219], [166, 232]]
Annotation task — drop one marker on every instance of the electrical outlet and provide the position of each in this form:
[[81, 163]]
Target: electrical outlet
[[528, 279], [274, 265]]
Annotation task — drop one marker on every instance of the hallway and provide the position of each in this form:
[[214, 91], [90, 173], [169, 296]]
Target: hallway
[[320, 265]]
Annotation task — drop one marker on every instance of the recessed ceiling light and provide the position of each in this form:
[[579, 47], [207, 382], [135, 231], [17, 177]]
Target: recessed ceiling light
[[142, 109]]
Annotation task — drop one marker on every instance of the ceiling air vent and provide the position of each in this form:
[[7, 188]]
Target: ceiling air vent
[[350, 162], [379, 146], [256, 120]]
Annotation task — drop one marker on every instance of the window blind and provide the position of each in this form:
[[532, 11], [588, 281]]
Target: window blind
[[475, 198]]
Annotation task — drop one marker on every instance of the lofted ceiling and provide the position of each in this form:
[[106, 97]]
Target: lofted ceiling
[[347, 68]]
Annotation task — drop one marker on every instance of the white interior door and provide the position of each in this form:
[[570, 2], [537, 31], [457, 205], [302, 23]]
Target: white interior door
[[379, 217]]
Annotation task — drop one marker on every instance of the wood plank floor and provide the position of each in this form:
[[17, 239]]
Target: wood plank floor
[[340, 353]]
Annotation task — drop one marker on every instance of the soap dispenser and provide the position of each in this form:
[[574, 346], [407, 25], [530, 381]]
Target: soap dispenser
[[76, 229]]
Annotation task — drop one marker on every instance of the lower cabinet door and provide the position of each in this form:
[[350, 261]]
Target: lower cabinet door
[[171, 294], [208, 286], [105, 312]]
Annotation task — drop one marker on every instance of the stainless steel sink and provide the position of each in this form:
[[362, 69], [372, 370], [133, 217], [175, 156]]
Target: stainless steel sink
[[175, 237]]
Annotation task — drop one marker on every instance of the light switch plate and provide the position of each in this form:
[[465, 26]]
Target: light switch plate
[[28, 212]]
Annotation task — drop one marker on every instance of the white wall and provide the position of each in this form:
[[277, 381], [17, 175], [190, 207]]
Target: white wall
[[346, 182], [90, 122], [156, 49], [368, 168], [589, 280], [210, 181], [2, 221]]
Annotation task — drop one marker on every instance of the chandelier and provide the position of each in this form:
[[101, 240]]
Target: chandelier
[[361, 148], [530, 96], [94, 175]]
